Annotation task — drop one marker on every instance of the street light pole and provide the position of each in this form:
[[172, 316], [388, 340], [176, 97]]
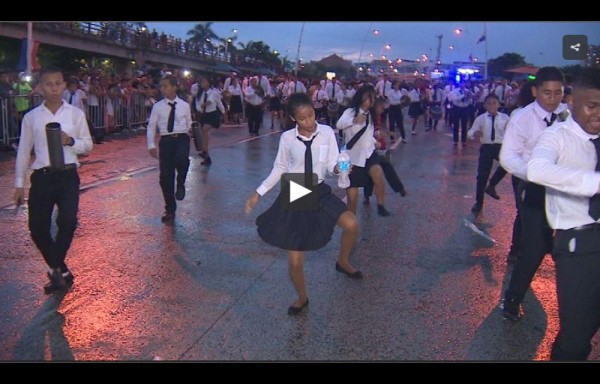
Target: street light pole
[[298, 52], [229, 40]]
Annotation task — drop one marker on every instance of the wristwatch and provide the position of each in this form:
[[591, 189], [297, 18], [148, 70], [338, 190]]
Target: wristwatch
[[72, 143]]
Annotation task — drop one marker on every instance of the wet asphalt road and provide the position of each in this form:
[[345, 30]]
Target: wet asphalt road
[[208, 288]]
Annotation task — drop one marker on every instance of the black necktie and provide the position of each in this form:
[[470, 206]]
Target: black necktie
[[308, 165], [71, 99], [384, 89], [493, 129], [595, 200], [205, 101], [552, 118], [171, 121], [333, 92]]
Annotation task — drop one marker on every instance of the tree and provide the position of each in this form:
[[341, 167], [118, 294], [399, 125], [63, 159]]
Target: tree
[[571, 72], [202, 34], [69, 60], [497, 66], [9, 52]]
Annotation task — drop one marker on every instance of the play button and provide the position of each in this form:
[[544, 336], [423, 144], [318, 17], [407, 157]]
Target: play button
[[297, 191], [297, 196]]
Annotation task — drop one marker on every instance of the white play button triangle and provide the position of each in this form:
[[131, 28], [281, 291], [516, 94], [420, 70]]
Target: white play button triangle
[[297, 191]]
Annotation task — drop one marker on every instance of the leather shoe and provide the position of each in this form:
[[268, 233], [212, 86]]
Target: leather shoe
[[476, 208], [511, 310], [491, 190], [167, 216], [354, 275], [180, 193], [382, 211], [57, 281], [296, 310]]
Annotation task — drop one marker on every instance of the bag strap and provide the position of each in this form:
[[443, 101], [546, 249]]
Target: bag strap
[[358, 134]]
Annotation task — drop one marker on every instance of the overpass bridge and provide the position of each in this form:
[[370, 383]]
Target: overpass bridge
[[124, 45]]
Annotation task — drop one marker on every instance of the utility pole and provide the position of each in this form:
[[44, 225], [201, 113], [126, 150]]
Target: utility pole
[[439, 49], [29, 48], [298, 52], [485, 71]]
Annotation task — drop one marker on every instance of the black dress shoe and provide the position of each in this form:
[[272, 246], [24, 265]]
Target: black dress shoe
[[490, 190], [402, 192], [57, 281], [354, 275], [296, 310], [180, 193], [382, 211], [511, 310], [167, 216], [476, 208]]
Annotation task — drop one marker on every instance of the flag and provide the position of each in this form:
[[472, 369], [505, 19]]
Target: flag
[[35, 65], [23, 56], [22, 66], [481, 39]]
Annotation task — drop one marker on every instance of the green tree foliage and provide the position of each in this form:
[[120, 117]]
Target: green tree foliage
[[498, 65]]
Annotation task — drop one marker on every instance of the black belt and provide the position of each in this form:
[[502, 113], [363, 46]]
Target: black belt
[[174, 135], [67, 167], [587, 227]]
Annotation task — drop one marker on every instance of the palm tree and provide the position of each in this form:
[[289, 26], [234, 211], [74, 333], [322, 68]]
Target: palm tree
[[203, 35]]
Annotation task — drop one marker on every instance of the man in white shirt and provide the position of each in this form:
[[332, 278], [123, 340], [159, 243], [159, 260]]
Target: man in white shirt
[[52, 184], [383, 88], [522, 132], [566, 159], [75, 96], [491, 125], [172, 119]]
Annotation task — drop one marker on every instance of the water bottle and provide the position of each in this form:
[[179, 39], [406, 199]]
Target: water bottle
[[55, 147], [343, 162]]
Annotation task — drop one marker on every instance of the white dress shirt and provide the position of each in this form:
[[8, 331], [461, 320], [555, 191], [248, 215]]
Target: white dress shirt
[[334, 91], [78, 98], [522, 131], [159, 118], [318, 98], [564, 160], [252, 97], [460, 98], [213, 100], [395, 96], [365, 146], [381, 85], [483, 123], [290, 155], [33, 135], [415, 95]]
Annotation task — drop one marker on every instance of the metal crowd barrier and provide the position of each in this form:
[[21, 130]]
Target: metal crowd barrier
[[113, 114]]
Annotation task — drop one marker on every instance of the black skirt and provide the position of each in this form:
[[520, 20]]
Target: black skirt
[[359, 177], [211, 118], [415, 109], [236, 104], [274, 104], [301, 230]]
